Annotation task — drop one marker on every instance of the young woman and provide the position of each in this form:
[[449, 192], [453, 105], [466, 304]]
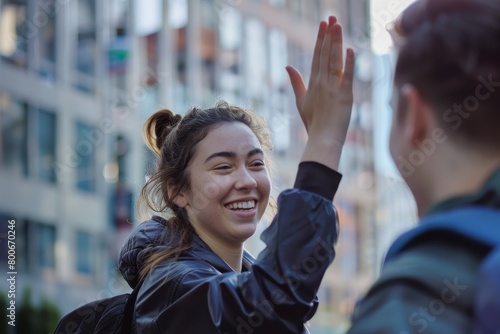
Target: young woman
[[212, 177]]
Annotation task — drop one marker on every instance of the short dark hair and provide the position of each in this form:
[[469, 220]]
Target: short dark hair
[[448, 49]]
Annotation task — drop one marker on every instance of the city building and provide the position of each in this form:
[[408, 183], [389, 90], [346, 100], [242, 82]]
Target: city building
[[79, 78]]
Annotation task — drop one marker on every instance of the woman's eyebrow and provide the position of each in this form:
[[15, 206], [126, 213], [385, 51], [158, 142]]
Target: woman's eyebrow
[[225, 154], [232, 155], [254, 152]]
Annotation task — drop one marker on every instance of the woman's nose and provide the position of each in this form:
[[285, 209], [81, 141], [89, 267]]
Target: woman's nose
[[245, 180]]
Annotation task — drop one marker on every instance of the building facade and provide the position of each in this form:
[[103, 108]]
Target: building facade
[[78, 78]]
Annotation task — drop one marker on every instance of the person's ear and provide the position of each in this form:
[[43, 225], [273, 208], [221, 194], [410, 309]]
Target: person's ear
[[180, 199], [418, 115]]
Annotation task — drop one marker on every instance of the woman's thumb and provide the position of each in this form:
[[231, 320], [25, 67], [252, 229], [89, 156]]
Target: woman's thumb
[[299, 89]]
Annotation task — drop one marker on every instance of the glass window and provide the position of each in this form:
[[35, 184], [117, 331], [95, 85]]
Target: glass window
[[312, 10], [279, 118], [46, 145], [86, 149], [13, 138], [178, 13], [45, 43], [15, 32], [148, 15], [86, 45], [46, 235], [295, 7], [256, 63], [84, 253], [178, 18], [277, 3], [208, 49], [230, 30], [119, 43]]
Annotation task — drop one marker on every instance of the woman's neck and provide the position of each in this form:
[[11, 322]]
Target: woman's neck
[[231, 254]]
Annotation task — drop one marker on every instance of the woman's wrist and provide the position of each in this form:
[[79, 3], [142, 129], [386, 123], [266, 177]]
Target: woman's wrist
[[317, 178], [324, 151]]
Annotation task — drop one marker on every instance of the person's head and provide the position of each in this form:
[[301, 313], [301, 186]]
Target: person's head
[[446, 83], [211, 173]]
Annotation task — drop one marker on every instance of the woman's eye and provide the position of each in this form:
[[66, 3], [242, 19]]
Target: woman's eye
[[222, 167], [258, 164]]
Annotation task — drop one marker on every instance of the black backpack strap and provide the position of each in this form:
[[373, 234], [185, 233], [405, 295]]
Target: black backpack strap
[[128, 311]]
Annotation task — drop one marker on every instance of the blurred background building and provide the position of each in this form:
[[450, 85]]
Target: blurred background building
[[78, 78]]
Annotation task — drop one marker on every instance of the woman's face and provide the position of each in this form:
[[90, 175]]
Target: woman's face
[[230, 184]]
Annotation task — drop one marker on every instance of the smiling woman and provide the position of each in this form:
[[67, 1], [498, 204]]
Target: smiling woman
[[212, 177]]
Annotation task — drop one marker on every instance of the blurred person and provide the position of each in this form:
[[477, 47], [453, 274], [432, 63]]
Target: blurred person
[[212, 177], [445, 140]]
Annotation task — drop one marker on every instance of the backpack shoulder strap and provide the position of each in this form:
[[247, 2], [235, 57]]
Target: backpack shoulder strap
[[478, 224], [487, 301], [125, 327]]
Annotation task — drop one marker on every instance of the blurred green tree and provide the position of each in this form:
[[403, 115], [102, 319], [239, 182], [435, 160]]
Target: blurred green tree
[[3, 305], [40, 319], [26, 315], [49, 315]]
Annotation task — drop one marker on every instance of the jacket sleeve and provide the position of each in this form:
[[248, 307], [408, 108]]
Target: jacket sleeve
[[277, 295], [427, 289]]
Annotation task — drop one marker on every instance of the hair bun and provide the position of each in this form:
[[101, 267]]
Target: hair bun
[[158, 127]]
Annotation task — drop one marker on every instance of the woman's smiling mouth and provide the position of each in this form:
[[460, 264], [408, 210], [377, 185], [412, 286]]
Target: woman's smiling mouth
[[242, 205]]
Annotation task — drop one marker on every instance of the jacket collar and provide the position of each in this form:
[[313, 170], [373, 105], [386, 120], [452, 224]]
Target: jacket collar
[[488, 195], [201, 250]]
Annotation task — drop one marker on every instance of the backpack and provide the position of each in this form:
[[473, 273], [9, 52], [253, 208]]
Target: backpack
[[112, 315], [481, 225]]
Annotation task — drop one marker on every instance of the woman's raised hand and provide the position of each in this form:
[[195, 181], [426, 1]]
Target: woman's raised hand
[[325, 105]]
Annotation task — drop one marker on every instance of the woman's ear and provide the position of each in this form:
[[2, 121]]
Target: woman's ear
[[418, 115], [180, 199]]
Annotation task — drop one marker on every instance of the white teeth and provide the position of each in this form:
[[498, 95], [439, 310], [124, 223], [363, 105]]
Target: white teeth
[[241, 205]]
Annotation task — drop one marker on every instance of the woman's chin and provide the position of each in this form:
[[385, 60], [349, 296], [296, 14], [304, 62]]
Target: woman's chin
[[243, 233]]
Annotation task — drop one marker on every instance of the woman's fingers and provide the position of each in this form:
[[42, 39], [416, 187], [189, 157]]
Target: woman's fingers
[[299, 88], [324, 59], [336, 63], [325, 104], [317, 49], [348, 77]]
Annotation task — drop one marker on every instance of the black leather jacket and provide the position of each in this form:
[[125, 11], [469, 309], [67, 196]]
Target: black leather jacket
[[276, 293]]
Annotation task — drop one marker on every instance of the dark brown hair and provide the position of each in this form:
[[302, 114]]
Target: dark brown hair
[[447, 50], [173, 139]]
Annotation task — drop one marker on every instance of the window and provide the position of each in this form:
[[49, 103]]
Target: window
[[27, 140], [119, 43], [256, 63], [46, 145], [13, 138], [208, 49], [46, 235], [178, 21], [45, 42], [277, 3], [15, 32], [86, 149], [229, 58], [86, 45], [312, 10], [279, 119], [84, 253], [296, 7]]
